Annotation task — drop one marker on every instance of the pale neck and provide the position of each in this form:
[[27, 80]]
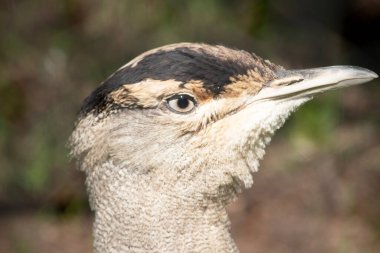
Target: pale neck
[[135, 217]]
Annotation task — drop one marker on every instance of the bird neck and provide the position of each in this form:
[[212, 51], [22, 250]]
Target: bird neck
[[135, 216]]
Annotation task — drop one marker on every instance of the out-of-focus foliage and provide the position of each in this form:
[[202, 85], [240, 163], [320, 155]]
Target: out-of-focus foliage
[[53, 53]]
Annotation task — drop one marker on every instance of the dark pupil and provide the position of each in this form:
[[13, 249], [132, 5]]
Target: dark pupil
[[182, 102]]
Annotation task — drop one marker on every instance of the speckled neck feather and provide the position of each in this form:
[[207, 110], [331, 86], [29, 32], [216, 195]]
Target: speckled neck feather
[[133, 215]]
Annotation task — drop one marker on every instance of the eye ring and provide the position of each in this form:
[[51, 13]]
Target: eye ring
[[181, 103]]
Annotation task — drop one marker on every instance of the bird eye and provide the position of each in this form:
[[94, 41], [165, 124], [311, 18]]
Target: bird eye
[[181, 103]]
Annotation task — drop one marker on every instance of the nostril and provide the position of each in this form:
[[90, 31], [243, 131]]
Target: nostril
[[285, 81]]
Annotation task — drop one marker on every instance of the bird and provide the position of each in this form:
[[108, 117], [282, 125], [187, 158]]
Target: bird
[[173, 136]]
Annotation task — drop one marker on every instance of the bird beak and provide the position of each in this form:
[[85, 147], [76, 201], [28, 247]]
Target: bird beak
[[308, 82]]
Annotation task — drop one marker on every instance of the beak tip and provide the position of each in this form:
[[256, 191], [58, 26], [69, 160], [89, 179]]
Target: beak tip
[[373, 75], [349, 74], [369, 74]]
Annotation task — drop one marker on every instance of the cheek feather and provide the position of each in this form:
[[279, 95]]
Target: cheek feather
[[208, 114]]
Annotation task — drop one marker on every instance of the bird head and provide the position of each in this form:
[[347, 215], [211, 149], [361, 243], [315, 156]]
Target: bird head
[[194, 119]]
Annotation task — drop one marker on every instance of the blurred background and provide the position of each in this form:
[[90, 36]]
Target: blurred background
[[319, 184]]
